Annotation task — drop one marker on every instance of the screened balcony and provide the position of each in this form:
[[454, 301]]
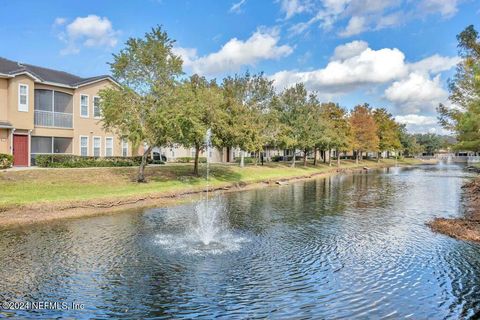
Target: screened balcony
[[53, 109]]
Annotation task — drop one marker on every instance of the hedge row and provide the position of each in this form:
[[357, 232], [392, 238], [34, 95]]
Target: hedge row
[[190, 159], [71, 161], [6, 161]]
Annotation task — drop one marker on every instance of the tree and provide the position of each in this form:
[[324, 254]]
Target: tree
[[197, 110], [248, 113], [463, 119], [364, 130], [430, 142], [141, 108], [337, 133], [290, 107], [388, 131], [409, 145]]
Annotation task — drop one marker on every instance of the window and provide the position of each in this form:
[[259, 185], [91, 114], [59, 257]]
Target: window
[[62, 102], [83, 146], [108, 147], [96, 107], [84, 106], [124, 148], [23, 97], [49, 145], [96, 146]]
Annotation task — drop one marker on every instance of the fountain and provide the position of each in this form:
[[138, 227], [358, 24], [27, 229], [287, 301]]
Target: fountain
[[208, 224], [206, 232]]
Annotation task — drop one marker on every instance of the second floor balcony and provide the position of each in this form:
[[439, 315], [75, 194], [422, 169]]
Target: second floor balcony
[[53, 109]]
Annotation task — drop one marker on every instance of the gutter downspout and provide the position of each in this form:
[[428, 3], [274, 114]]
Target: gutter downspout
[[11, 141]]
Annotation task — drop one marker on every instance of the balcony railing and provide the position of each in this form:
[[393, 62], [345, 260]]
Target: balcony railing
[[53, 119]]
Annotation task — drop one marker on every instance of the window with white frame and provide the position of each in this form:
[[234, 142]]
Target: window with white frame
[[124, 148], [96, 107], [84, 106], [83, 146], [108, 147], [23, 97], [97, 142]]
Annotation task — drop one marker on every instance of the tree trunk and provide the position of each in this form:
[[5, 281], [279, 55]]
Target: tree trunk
[[197, 155], [315, 156], [324, 156], [293, 160], [378, 156], [356, 157], [305, 157], [338, 158], [242, 159], [329, 157], [143, 164]]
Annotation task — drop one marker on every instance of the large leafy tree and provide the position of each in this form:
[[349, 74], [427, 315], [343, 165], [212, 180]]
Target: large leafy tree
[[197, 110], [291, 108], [248, 118], [337, 134], [141, 108], [464, 117], [364, 130], [388, 131], [409, 144]]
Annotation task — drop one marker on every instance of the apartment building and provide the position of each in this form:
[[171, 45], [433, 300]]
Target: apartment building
[[45, 111]]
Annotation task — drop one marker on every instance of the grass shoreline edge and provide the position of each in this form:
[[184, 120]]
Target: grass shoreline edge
[[46, 211]]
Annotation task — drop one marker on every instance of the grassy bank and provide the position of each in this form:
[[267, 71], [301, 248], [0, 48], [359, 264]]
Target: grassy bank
[[20, 188]]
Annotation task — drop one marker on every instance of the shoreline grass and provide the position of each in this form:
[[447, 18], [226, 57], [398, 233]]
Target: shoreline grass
[[48, 186]]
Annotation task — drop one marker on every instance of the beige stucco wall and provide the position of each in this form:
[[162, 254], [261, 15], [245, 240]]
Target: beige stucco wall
[[4, 141], [19, 119], [90, 126], [3, 99]]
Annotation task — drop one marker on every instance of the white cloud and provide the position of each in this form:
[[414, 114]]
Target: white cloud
[[447, 8], [293, 7], [435, 64], [262, 45], [90, 31], [349, 50], [237, 7], [421, 124], [353, 65], [416, 93], [59, 21], [355, 26], [353, 17]]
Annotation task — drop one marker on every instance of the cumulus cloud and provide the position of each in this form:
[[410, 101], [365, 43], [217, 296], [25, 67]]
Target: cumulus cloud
[[89, 31], [262, 45], [409, 88], [417, 93], [237, 7], [353, 65], [421, 124]]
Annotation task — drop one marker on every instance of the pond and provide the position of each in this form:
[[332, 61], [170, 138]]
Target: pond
[[346, 246]]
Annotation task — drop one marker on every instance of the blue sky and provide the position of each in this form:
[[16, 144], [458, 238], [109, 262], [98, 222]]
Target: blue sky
[[396, 54]]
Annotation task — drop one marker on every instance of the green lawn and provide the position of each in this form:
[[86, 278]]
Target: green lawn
[[59, 185]]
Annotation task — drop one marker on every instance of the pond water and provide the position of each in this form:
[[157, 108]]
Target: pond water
[[347, 246]]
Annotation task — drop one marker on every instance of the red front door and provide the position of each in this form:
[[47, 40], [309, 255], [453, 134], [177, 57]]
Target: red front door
[[20, 150]]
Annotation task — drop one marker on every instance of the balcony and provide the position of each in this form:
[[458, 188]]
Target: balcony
[[53, 119]]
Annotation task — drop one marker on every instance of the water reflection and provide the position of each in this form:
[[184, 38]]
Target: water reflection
[[349, 246]]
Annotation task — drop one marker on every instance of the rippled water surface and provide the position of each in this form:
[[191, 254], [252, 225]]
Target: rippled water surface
[[349, 246]]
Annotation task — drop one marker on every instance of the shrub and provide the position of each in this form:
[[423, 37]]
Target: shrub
[[71, 161], [6, 161], [183, 159], [190, 159], [246, 160]]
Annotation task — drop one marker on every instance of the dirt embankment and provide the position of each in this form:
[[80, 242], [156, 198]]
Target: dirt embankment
[[468, 227]]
